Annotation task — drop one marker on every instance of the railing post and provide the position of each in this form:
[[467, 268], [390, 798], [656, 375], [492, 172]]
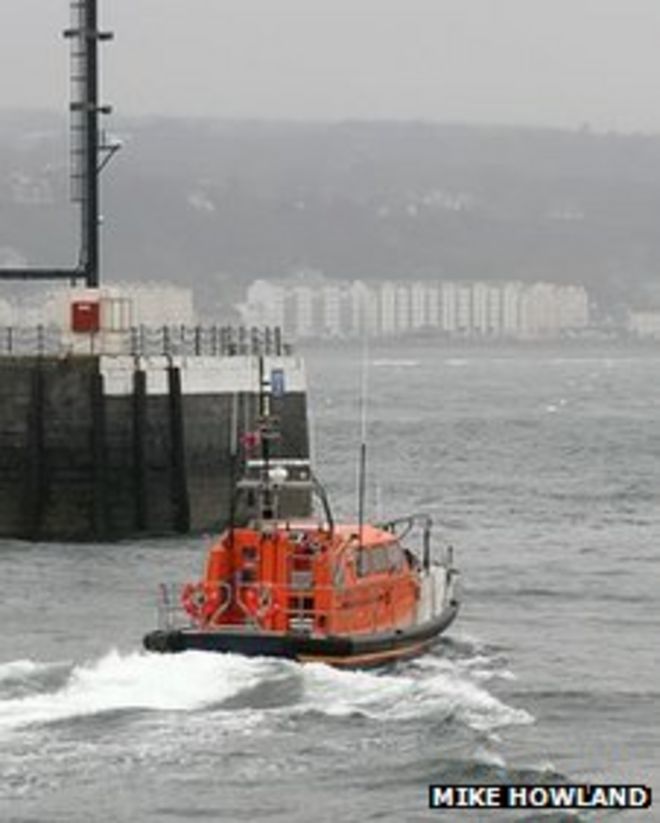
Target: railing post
[[254, 341]]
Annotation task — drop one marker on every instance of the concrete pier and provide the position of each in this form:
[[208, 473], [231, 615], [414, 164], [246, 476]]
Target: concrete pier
[[102, 447]]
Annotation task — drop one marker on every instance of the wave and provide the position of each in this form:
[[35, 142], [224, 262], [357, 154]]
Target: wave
[[127, 682], [433, 687], [21, 669], [444, 696], [23, 677]]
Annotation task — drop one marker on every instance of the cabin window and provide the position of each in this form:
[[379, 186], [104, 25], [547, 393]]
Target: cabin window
[[378, 560], [395, 556], [373, 561]]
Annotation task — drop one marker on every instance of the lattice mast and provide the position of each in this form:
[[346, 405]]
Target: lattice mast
[[86, 147], [89, 151]]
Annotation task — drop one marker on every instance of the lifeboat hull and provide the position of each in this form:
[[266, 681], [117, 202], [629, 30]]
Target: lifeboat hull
[[357, 651]]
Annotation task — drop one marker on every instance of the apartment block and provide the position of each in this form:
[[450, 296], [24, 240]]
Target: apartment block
[[480, 310]]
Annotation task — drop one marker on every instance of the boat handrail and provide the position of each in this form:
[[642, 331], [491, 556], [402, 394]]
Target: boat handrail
[[409, 522], [372, 599]]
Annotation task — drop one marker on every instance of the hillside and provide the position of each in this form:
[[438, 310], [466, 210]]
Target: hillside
[[215, 204]]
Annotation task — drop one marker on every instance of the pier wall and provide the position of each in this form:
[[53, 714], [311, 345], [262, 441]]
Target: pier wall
[[107, 447]]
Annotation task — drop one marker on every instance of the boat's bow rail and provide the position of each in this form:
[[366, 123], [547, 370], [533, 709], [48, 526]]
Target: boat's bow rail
[[417, 527]]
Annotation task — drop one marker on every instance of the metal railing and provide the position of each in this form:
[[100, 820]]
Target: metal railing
[[371, 604], [167, 340]]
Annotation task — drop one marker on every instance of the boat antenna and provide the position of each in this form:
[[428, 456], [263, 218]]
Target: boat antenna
[[265, 432], [233, 457], [362, 466]]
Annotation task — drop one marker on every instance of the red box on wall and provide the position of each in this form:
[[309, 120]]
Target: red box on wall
[[85, 316]]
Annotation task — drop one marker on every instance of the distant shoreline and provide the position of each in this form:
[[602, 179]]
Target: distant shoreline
[[513, 348]]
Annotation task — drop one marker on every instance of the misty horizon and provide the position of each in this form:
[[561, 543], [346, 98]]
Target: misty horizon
[[561, 65], [118, 118]]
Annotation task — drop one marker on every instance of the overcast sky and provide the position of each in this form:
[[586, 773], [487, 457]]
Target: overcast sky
[[548, 62]]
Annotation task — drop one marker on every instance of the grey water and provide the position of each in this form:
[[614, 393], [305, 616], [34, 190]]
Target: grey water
[[541, 468]]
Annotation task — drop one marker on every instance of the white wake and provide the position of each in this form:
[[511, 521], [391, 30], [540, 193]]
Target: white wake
[[135, 681], [433, 688]]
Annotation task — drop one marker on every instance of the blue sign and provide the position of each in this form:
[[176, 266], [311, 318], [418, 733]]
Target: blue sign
[[277, 382]]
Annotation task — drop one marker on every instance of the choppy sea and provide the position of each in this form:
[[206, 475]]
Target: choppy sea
[[541, 468]]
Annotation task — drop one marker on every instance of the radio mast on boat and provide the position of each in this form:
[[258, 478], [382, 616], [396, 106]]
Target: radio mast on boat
[[362, 465]]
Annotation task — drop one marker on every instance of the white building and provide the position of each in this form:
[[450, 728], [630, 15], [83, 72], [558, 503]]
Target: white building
[[482, 309], [433, 306], [159, 304], [479, 321], [510, 325], [419, 305], [332, 312], [388, 313], [264, 305], [644, 324], [365, 309], [464, 309], [360, 300], [573, 307], [448, 302], [402, 309], [539, 311], [494, 310], [303, 312]]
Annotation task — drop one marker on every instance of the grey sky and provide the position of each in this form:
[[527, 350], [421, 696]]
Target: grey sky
[[548, 62]]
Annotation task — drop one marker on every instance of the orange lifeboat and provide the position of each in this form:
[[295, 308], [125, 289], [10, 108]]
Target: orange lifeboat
[[310, 589]]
